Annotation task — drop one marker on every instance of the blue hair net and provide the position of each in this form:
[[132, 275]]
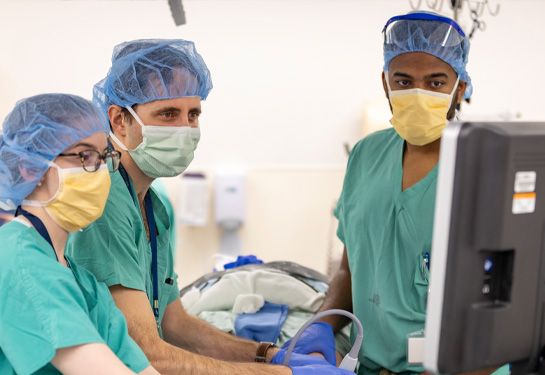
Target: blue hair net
[[151, 69], [37, 130], [437, 38]]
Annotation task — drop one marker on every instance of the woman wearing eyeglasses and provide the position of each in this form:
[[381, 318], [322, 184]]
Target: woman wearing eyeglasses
[[55, 171]]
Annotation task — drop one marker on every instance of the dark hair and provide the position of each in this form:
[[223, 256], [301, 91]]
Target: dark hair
[[126, 115]]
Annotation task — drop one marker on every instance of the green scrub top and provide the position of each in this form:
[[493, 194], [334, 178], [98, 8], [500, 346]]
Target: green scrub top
[[162, 193], [48, 306], [116, 250], [387, 233]]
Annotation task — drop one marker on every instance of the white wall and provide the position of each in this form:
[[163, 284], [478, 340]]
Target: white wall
[[291, 80], [289, 217]]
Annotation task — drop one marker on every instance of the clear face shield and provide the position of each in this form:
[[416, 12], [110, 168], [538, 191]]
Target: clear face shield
[[425, 30]]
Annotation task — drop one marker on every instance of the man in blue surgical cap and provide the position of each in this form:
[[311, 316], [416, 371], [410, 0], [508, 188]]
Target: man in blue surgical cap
[[152, 95], [386, 207]]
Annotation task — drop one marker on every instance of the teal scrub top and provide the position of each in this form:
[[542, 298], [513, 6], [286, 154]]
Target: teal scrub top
[[116, 250], [387, 233], [47, 306], [162, 193]]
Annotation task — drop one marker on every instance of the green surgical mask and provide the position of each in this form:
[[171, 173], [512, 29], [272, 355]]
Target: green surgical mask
[[165, 151]]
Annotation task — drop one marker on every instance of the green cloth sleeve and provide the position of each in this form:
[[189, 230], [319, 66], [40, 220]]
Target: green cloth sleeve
[[174, 291], [338, 212], [162, 193], [43, 310]]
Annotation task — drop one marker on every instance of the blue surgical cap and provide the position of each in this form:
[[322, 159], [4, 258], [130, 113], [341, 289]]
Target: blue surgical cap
[[37, 130], [430, 33], [150, 69]]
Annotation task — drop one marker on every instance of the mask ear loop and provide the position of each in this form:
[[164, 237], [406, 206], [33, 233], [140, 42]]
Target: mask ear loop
[[133, 113], [388, 86], [116, 140], [455, 86], [29, 202], [452, 98], [387, 81]]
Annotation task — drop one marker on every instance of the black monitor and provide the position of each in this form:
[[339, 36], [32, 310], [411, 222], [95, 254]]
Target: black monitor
[[487, 280]]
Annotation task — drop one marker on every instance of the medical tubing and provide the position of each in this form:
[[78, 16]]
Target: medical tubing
[[350, 359]]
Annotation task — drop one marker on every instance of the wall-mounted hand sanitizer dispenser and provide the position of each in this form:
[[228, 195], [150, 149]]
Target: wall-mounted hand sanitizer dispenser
[[230, 199], [193, 200], [230, 209]]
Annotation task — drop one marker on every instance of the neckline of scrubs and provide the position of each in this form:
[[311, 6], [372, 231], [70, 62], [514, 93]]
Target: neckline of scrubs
[[407, 194], [42, 244], [159, 213]]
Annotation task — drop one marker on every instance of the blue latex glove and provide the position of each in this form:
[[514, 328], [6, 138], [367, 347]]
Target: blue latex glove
[[298, 359], [320, 370], [317, 338]]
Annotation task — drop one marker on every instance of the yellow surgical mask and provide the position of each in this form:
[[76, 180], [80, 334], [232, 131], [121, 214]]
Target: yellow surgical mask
[[419, 116], [80, 199]]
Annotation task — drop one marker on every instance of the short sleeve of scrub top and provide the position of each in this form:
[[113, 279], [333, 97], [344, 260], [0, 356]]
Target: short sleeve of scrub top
[[338, 212], [174, 292], [111, 323], [43, 309], [162, 193]]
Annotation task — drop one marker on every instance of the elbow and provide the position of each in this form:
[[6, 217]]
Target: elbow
[[159, 357], [155, 349]]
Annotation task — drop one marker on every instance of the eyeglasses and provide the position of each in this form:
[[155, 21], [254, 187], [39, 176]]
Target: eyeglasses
[[426, 17], [92, 159]]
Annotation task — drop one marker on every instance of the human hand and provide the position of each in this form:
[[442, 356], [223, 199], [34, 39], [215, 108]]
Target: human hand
[[319, 338], [320, 370], [298, 359]]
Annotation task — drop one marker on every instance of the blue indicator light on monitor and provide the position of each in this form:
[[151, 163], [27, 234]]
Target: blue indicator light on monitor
[[488, 265]]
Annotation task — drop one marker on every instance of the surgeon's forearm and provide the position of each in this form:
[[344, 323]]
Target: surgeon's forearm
[[191, 333], [200, 337], [171, 360], [175, 361], [339, 295]]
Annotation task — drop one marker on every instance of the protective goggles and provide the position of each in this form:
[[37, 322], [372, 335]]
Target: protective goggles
[[437, 29]]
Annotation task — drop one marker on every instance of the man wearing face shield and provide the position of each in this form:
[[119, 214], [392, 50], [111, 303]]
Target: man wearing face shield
[[152, 95], [386, 207]]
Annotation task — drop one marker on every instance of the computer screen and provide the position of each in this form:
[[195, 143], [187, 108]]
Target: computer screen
[[487, 281]]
